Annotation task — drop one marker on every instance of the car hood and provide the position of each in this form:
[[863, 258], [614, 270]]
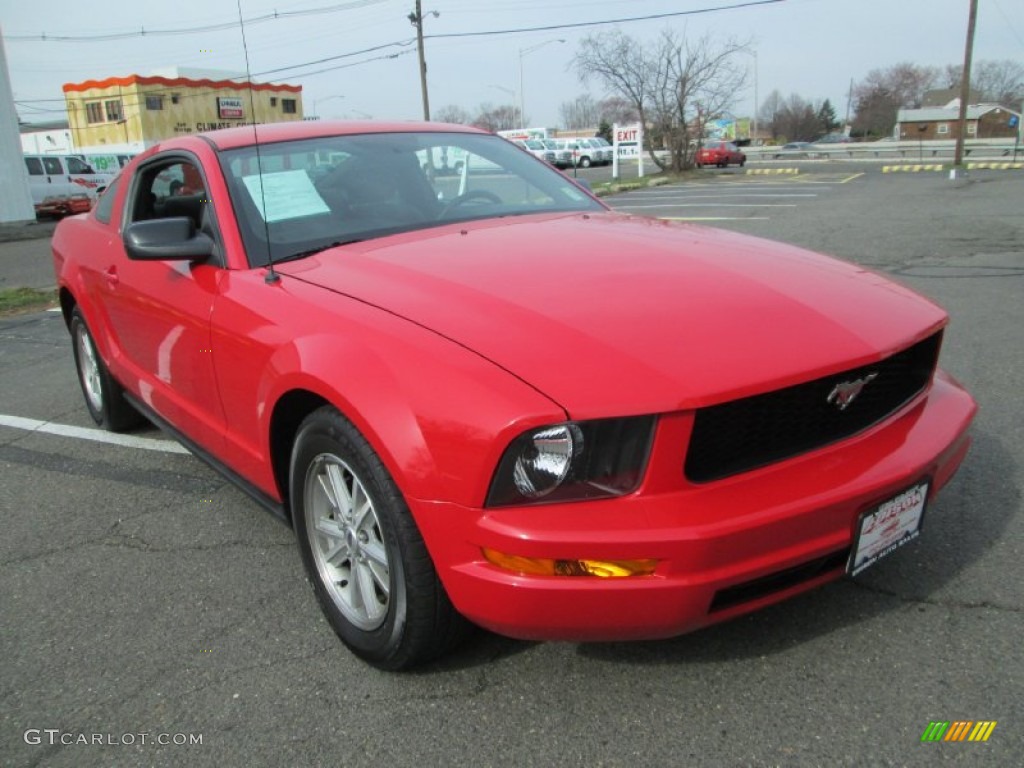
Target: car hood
[[613, 314]]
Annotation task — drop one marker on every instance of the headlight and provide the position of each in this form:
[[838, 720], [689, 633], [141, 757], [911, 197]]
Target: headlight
[[573, 461]]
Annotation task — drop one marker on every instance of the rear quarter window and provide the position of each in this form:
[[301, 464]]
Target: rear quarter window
[[105, 206]]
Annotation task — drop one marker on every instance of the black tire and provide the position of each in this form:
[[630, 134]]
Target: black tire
[[743, 162], [407, 621], [584, 162], [104, 396]]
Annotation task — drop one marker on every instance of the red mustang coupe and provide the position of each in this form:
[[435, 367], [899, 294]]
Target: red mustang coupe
[[482, 397]]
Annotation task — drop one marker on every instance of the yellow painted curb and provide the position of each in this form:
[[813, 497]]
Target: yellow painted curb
[[771, 171], [912, 168], [994, 166]]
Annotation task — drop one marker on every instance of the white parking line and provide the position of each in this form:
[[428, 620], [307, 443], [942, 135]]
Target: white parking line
[[713, 218], [732, 195], [96, 435], [706, 205]]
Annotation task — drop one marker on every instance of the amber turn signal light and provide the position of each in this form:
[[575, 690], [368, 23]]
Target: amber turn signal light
[[542, 566]]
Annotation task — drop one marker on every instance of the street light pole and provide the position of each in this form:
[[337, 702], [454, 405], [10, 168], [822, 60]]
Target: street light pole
[[325, 98], [522, 96], [754, 137]]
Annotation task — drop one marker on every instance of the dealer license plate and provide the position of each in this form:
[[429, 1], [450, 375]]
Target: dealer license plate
[[887, 527]]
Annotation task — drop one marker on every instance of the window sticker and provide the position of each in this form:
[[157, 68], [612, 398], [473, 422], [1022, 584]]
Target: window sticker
[[288, 195]]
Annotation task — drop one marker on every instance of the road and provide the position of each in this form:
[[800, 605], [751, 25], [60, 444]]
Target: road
[[144, 595]]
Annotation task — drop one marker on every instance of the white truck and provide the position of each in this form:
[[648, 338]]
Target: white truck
[[64, 184]]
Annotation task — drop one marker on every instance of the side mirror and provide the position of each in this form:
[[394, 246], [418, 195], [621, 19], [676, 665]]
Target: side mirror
[[173, 239]]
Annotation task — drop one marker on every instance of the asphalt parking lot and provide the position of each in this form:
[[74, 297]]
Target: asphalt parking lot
[[143, 596]]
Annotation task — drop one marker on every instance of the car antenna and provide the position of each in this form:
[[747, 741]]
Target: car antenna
[[271, 276]]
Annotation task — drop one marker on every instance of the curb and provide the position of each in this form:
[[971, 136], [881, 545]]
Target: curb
[[912, 168], [772, 171], [994, 166]]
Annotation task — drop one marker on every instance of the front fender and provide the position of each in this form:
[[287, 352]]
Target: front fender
[[438, 415]]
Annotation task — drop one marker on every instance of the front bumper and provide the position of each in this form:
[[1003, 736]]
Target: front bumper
[[724, 548]]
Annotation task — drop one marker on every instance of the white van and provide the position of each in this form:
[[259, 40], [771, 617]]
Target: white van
[[106, 163], [63, 184]]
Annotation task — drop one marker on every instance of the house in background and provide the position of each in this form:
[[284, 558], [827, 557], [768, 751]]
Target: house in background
[[984, 121]]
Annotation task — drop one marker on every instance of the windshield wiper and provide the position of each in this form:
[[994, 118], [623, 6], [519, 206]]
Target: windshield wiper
[[319, 249]]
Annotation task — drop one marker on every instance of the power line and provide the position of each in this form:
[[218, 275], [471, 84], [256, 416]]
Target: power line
[[579, 24], [451, 35], [546, 28], [190, 30]]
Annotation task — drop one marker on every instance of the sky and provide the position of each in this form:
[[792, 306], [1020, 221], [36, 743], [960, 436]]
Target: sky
[[809, 47]]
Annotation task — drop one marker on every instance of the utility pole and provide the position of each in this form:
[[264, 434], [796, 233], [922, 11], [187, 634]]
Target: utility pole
[[965, 92], [416, 19]]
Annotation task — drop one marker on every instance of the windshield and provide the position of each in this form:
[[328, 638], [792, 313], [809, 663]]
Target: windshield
[[339, 189]]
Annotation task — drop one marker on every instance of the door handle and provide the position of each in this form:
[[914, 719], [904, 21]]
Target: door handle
[[112, 278]]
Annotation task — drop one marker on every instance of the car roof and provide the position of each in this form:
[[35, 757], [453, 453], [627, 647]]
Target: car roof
[[247, 135]]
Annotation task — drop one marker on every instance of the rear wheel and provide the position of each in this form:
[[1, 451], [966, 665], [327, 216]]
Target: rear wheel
[[364, 555], [104, 397]]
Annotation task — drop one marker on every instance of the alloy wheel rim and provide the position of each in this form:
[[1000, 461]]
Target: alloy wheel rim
[[346, 541], [89, 368]]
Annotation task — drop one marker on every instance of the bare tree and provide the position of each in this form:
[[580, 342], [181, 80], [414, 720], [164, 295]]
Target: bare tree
[[770, 113], [501, 118], [999, 82], [616, 109], [452, 113], [797, 120], [582, 112], [884, 91], [676, 84]]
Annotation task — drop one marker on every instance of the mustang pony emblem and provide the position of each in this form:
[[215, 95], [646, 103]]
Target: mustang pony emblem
[[845, 392]]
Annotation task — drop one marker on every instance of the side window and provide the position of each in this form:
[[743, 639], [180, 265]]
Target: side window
[[53, 166], [34, 165], [106, 202], [173, 188], [170, 189], [77, 166]]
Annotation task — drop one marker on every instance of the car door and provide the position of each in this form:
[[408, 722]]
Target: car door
[[159, 311]]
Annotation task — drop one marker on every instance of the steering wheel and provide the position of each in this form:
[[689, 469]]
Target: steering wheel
[[467, 197]]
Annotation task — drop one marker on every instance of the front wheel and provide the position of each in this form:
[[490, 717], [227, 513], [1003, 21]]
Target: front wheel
[[584, 162], [104, 397], [364, 555]]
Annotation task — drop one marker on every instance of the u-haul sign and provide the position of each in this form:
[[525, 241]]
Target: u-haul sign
[[229, 107]]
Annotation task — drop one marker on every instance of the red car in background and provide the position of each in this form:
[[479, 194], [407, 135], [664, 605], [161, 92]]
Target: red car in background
[[483, 397], [721, 154]]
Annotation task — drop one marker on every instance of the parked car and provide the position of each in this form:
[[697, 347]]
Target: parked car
[[563, 156], [63, 184], [795, 149], [720, 154], [487, 398], [583, 155], [833, 138], [537, 148], [602, 152]]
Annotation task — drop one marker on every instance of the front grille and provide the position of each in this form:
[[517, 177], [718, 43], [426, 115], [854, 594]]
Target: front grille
[[743, 434], [778, 581]]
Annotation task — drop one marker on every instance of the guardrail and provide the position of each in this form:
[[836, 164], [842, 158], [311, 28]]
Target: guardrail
[[910, 151]]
